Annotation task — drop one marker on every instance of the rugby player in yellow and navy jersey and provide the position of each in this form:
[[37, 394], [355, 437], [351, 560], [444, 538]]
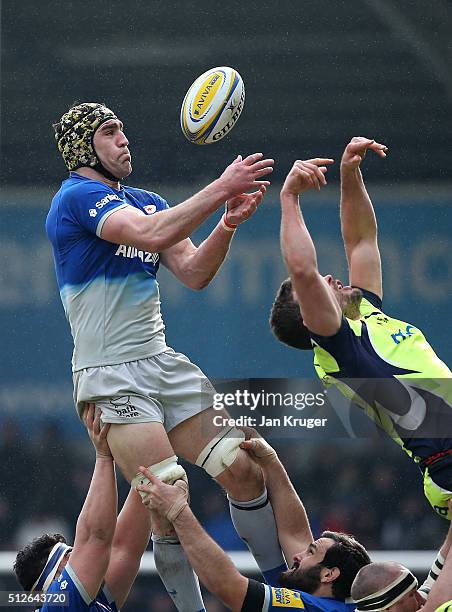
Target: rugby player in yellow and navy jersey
[[321, 575], [384, 365]]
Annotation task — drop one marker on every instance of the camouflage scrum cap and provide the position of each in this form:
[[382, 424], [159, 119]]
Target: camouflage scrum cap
[[75, 130]]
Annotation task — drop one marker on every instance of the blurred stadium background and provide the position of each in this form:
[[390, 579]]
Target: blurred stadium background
[[316, 73]]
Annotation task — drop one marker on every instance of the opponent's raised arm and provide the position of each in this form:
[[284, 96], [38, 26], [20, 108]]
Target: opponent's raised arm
[[359, 225], [155, 233], [320, 311]]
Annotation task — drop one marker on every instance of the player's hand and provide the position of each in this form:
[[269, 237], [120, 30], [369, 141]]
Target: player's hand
[[258, 449], [356, 150], [242, 207], [304, 175], [96, 432], [166, 500], [245, 174]]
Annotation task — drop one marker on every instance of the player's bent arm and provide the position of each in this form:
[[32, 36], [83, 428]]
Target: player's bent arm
[[320, 311], [438, 563], [133, 529], [195, 266], [155, 233], [96, 527], [213, 567], [294, 532], [359, 232]]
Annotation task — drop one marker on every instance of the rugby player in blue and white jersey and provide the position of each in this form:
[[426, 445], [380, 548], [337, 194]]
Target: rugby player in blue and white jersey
[[321, 575], [99, 570], [108, 240]]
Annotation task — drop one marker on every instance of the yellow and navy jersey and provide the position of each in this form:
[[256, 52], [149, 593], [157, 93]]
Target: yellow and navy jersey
[[265, 598], [387, 367]]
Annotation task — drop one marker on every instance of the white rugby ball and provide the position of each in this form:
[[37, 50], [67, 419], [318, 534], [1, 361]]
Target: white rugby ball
[[212, 105]]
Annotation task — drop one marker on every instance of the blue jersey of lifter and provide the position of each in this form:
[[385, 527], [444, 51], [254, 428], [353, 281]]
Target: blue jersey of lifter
[[78, 599], [277, 598], [109, 292]]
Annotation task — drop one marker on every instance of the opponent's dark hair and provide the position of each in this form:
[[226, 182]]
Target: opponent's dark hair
[[349, 556], [286, 321], [31, 559]]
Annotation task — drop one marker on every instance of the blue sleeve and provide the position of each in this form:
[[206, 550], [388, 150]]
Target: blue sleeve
[[91, 203]]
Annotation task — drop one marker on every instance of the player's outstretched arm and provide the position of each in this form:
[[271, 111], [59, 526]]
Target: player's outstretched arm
[[197, 266], [438, 563], [294, 532], [320, 311], [441, 591], [97, 521], [213, 567], [359, 225], [155, 233], [131, 538]]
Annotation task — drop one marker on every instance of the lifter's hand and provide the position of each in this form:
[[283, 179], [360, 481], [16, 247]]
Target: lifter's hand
[[304, 175], [96, 432], [356, 150], [245, 174], [258, 449], [240, 208], [166, 500]]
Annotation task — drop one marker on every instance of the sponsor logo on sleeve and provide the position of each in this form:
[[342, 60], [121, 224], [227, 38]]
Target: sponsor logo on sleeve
[[92, 212], [110, 197], [285, 598], [150, 209]]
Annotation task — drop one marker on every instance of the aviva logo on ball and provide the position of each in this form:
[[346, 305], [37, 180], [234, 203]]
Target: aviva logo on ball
[[212, 105]]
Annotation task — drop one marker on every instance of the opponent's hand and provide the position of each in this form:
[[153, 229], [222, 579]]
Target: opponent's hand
[[258, 449], [304, 175], [356, 150], [245, 174], [166, 500], [96, 432], [240, 208]]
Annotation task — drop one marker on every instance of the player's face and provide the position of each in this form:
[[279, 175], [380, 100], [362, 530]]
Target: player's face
[[344, 294], [304, 574], [411, 602], [111, 146]]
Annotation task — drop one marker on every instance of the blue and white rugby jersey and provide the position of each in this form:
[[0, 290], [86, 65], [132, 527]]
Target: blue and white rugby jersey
[[109, 292], [78, 598]]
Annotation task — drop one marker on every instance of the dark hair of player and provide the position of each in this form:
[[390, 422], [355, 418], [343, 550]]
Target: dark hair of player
[[286, 321], [349, 556], [31, 559]]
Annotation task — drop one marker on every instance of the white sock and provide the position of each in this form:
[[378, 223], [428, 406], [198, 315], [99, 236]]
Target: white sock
[[176, 573], [254, 521]]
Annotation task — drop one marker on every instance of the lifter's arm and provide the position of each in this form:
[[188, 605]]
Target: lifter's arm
[[97, 521], [155, 233], [441, 591], [294, 532], [359, 225], [438, 564], [131, 538], [214, 568], [320, 311]]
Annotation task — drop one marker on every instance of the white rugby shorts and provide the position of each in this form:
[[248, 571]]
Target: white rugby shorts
[[167, 388]]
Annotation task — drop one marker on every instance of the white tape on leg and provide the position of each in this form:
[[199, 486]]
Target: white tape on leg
[[221, 451], [167, 471]]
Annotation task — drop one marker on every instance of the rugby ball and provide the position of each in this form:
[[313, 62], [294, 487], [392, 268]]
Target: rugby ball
[[212, 105]]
